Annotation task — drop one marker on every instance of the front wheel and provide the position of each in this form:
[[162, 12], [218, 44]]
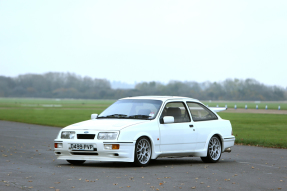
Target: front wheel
[[76, 162], [142, 152], [213, 151]]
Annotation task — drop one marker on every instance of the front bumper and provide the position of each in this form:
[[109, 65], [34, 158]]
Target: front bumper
[[125, 153]]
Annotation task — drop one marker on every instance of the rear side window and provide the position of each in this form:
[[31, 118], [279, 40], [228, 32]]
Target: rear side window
[[200, 113], [177, 110]]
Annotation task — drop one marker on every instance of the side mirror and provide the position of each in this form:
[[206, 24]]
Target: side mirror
[[168, 119], [94, 116]]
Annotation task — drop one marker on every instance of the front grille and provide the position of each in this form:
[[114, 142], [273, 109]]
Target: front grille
[[76, 153], [85, 136]]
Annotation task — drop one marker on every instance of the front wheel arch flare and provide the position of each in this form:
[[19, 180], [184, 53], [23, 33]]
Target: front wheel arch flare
[[150, 142], [136, 160]]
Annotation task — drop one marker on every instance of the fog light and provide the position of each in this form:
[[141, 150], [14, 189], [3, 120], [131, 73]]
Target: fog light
[[111, 146], [108, 147]]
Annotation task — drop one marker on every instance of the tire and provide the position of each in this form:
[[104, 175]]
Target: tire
[[213, 151], [142, 152], [76, 162]]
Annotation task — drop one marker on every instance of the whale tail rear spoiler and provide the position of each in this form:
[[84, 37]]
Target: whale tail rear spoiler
[[217, 109]]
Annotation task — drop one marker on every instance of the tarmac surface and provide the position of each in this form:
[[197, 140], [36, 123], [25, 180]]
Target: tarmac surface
[[27, 162]]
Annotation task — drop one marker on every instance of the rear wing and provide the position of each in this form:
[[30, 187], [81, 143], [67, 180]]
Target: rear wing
[[217, 109]]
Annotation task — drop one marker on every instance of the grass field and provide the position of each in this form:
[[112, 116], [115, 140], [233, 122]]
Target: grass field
[[51, 112], [269, 130]]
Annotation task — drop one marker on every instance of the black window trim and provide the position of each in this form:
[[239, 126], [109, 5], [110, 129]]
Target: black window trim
[[203, 107], [184, 104]]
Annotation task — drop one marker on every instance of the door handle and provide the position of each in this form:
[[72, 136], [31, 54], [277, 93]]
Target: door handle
[[190, 125]]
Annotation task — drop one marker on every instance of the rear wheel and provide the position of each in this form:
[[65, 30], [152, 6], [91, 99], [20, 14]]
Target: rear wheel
[[76, 162], [142, 152], [213, 151]]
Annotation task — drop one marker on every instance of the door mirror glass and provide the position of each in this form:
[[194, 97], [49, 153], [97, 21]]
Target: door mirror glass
[[168, 119], [94, 116]]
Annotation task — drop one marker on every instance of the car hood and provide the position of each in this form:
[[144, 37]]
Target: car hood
[[105, 124]]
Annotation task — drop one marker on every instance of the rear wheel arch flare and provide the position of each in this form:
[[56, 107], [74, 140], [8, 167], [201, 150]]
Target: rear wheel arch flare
[[220, 139], [214, 149]]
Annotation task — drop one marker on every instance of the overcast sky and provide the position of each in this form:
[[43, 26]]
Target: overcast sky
[[132, 41]]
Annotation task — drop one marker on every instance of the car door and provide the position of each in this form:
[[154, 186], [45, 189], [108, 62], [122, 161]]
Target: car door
[[205, 122], [179, 136]]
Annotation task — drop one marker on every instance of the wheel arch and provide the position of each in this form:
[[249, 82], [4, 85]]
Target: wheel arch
[[220, 139], [150, 140]]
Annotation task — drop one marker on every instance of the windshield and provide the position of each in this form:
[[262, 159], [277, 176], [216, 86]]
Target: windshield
[[132, 109]]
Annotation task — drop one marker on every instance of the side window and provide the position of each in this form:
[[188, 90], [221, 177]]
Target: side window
[[200, 113], [177, 110]]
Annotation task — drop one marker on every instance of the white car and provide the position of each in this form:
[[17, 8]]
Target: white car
[[139, 129]]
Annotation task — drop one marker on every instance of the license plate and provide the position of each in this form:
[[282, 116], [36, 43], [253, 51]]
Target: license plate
[[82, 147]]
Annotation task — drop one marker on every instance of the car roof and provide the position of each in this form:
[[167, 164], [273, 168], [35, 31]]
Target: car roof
[[162, 98]]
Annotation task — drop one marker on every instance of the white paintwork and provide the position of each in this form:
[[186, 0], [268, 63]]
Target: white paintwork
[[206, 129], [104, 124], [177, 137], [167, 139]]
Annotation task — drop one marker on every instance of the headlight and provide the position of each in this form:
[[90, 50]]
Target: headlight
[[68, 135], [107, 136]]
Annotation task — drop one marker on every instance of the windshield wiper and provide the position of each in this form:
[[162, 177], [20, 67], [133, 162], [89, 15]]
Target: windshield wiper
[[139, 116], [114, 116], [122, 116]]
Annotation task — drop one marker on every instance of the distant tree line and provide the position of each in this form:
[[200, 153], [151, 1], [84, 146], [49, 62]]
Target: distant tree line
[[68, 85]]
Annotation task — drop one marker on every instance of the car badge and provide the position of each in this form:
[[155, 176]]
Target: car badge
[[86, 132]]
